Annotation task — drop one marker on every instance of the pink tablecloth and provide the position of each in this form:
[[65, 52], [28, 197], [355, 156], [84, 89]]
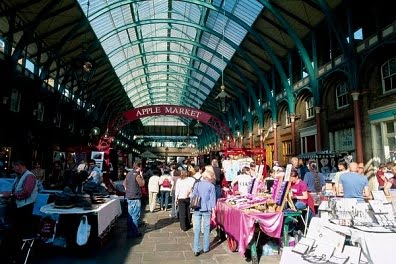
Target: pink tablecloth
[[240, 225]]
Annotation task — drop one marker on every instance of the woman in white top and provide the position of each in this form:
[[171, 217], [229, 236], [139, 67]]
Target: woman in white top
[[175, 177], [153, 188], [243, 181], [182, 193]]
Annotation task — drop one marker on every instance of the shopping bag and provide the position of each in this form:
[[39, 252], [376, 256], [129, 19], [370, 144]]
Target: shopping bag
[[84, 229]]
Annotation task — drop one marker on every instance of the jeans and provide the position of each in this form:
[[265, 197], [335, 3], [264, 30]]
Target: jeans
[[300, 205], [198, 217], [164, 194], [133, 217], [175, 209]]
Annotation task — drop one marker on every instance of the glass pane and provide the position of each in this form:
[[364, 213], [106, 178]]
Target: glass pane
[[390, 127]]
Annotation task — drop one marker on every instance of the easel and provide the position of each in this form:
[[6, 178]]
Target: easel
[[286, 197], [289, 216]]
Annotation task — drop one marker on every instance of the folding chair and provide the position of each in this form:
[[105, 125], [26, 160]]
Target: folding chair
[[29, 241], [310, 209]]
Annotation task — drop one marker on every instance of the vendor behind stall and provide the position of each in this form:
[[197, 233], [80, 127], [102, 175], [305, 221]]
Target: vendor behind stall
[[299, 191], [243, 181], [353, 184], [23, 195]]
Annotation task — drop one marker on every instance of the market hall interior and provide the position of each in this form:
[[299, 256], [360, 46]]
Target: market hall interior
[[191, 80]]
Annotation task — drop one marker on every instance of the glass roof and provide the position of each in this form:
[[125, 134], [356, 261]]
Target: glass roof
[[162, 121], [168, 51]]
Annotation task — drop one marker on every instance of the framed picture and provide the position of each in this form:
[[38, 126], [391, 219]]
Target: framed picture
[[99, 165], [288, 172], [98, 156]]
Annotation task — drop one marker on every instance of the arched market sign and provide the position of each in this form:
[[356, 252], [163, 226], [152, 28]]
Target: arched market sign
[[159, 110]]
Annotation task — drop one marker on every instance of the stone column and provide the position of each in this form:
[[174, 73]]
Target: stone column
[[318, 130], [293, 134], [274, 126], [358, 127], [251, 140]]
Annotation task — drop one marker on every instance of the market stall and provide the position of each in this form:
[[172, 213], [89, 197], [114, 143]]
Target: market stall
[[101, 217], [348, 232], [237, 218]]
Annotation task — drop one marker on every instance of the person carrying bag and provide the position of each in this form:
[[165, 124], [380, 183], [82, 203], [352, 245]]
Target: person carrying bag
[[203, 213]]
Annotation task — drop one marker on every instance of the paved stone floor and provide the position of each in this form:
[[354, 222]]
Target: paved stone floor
[[162, 242]]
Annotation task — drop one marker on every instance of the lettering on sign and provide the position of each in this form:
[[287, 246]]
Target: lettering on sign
[[167, 110]]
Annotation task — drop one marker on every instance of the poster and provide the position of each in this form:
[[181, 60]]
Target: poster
[[98, 156]]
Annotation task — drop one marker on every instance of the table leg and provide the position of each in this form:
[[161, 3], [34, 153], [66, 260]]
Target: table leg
[[253, 249], [287, 221]]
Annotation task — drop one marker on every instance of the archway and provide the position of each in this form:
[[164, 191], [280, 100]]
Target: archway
[[157, 110]]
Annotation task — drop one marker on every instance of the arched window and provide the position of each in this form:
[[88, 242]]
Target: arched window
[[309, 107], [287, 118], [388, 73], [342, 95]]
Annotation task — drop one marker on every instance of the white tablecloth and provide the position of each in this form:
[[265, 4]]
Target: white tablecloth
[[106, 212], [376, 247]]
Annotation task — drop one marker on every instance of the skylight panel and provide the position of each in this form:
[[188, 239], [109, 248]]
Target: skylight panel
[[162, 121], [103, 25], [190, 11], [128, 35], [179, 59], [182, 47], [145, 10], [248, 10], [186, 32]]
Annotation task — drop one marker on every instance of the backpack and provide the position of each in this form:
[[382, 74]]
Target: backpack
[[195, 182], [166, 183]]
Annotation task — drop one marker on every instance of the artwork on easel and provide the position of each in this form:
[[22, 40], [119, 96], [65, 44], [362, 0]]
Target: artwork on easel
[[258, 180], [282, 193], [274, 189], [288, 172]]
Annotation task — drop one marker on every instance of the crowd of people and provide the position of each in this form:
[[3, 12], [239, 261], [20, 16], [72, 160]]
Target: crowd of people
[[170, 188], [179, 182]]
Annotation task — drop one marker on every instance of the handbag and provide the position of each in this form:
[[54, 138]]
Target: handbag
[[195, 202], [83, 232]]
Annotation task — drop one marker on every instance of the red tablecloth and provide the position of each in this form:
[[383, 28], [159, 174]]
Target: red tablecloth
[[240, 225]]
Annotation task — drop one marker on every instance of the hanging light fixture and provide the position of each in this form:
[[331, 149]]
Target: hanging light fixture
[[95, 131], [223, 98], [85, 66], [198, 129]]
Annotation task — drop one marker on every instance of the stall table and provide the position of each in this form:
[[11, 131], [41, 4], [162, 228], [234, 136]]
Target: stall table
[[105, 213], [376, 243], [240, 225]]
